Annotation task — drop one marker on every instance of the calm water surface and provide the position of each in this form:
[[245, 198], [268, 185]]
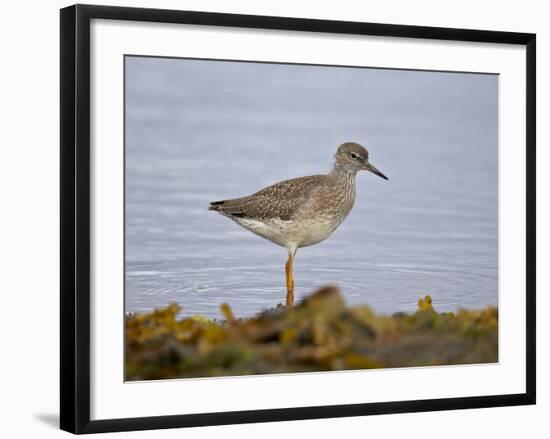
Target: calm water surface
[[199, 131]]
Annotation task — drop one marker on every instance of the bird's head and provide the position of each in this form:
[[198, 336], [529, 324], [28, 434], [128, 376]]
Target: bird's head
[[352, 157]]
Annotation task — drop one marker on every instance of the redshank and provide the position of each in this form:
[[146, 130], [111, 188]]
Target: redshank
[[302, 211]]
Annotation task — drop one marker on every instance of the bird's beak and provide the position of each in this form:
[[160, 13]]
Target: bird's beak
[[369, 167]]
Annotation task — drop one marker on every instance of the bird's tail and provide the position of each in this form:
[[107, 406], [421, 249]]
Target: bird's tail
[[216, 205], [231, 208]]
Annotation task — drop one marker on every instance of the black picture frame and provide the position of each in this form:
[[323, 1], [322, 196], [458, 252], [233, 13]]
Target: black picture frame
[[75, 217]]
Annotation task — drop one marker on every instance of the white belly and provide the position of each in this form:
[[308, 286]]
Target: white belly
[[291, 234]]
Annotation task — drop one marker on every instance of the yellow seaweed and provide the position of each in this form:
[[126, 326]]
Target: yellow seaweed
[[319, 334]]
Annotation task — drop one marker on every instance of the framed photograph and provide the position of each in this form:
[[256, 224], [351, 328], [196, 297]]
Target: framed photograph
[[275, 218]]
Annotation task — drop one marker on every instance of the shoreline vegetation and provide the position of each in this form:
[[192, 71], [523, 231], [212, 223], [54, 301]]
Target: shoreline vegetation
[[319, 334]]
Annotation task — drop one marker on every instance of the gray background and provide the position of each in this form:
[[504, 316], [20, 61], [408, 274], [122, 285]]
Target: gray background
[[199, 131]]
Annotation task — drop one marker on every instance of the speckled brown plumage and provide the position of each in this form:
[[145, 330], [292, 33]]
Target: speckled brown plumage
[[302, 211], [286, 200]]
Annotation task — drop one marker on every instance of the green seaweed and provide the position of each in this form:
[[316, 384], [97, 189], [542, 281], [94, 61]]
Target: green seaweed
[[319, 334]]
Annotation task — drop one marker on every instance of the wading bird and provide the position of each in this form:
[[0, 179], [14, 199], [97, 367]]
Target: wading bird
[[302, 211]]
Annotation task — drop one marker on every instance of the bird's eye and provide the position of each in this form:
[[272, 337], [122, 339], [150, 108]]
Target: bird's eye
[[353, 155]]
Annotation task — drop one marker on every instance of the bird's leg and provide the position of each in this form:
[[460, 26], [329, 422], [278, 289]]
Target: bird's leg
[[289, 281]]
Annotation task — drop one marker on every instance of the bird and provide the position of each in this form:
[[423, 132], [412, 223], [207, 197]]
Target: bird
[[303, 211]]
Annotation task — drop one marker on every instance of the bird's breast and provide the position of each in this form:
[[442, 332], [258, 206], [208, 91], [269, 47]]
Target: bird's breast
[[324, 220]]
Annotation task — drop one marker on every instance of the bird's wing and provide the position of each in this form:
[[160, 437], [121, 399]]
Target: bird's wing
[[282, 200]]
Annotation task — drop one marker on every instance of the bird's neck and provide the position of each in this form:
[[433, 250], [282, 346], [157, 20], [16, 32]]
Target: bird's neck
[[344, 177]]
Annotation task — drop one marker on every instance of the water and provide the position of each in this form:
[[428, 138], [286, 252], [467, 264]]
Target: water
[[199, 131]]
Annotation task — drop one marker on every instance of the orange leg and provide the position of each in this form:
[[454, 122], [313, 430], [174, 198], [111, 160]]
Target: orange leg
[[289, 282]]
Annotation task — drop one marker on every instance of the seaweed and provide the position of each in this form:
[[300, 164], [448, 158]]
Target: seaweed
[[319, 334]]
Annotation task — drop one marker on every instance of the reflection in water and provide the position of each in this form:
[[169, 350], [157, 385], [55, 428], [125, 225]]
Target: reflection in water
[[198, 131]]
